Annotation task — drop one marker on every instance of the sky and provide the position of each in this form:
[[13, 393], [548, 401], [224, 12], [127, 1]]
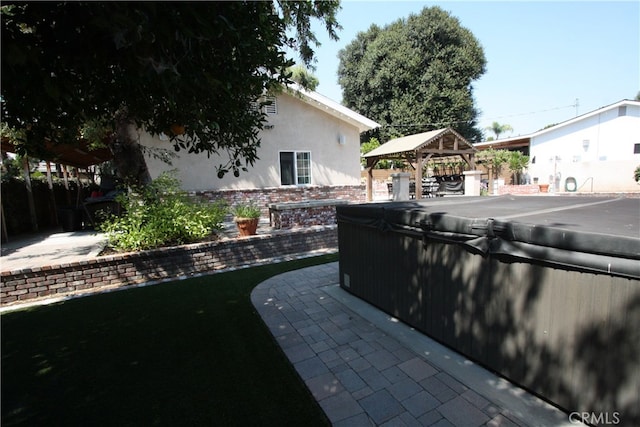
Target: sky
[[547, 61]]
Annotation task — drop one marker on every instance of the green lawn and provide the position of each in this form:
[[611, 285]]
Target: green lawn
[[187, 353]]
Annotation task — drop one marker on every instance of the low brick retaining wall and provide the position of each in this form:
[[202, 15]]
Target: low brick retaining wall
[[119, 271], [518, 189]]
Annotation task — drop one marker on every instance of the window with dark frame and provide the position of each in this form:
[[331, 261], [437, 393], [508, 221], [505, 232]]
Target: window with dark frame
[[295, 167]]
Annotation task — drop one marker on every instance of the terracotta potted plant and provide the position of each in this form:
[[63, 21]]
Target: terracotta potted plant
[[246, 217]]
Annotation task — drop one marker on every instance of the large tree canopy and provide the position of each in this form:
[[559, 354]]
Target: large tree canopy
[[414, 75], [191, 70]]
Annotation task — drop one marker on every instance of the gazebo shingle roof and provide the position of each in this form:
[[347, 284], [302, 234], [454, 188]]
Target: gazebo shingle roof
[[442, 142]]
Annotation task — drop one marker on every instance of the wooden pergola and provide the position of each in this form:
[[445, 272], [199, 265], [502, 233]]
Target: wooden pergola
[[418, 149], [78, 154]]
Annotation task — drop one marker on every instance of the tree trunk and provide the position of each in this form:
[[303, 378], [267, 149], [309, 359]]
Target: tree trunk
[[128, 158]]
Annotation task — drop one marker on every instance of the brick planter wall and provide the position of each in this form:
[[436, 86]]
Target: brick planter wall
[[518, 189], [119, 271], [304, 214], [289, 218]]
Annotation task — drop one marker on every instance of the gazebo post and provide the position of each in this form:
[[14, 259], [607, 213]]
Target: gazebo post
[[418, 174], [370, 165], [369, 184]]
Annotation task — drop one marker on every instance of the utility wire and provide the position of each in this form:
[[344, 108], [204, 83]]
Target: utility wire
[[448, 123], [539, 111]]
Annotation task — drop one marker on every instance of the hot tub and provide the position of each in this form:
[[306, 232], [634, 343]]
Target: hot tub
[[544, 290]]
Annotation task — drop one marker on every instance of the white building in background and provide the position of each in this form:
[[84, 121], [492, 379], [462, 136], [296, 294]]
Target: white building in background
[[595, 152]]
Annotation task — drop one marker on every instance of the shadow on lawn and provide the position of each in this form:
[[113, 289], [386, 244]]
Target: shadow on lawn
[[192, 352]]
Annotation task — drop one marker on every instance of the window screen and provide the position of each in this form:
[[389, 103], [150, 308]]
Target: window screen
[[272, 106], [303, 168]]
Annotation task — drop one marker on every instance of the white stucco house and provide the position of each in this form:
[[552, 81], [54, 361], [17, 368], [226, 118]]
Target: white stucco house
[[594, 152], [310, 148]]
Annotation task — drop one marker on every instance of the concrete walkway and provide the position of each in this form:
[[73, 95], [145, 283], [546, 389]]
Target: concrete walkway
[[366, 368], [55, 247], [51, 247]]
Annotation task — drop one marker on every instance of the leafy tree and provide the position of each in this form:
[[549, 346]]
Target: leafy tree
[[494, 160], [414, 75], [303, 77], [499, 129], [517, 161], [191, 70], [372, 144], [368, 146]]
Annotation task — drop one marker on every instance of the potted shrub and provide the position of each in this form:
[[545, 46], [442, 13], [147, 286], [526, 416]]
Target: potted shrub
[[246, 217]]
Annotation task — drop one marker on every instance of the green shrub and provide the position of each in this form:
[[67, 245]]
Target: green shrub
[[636, 174], [162, 215]]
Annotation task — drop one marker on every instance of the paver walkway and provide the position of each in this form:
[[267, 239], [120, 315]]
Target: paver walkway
[[366, 368]]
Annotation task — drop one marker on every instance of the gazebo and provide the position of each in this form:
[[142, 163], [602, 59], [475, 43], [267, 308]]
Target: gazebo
[[418, 149]]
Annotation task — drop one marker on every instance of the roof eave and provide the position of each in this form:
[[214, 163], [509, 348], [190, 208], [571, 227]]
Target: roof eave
[[562, 124], [335, 109]]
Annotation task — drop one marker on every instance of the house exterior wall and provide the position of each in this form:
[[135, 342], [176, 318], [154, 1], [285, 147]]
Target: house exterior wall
[[297, 126], [608, 162]]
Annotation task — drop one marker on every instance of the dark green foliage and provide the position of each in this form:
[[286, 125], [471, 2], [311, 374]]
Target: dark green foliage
[[414, 75], [517, 161], [11, 168], [372, 144], [297, 14], [303, 77], [495, 159], [189, 69], [160, 214], [187, 353]]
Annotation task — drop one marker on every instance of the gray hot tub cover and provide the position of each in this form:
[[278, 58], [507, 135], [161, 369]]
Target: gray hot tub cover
[[592, 234]]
